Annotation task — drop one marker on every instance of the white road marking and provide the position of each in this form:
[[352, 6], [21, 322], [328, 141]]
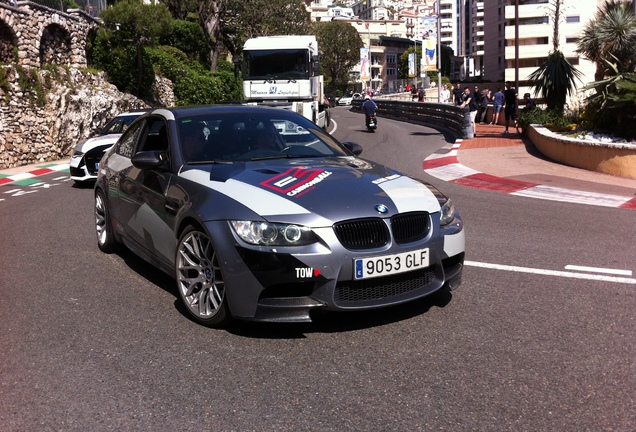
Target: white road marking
[[599, 270], [557, 273], [335, 127]]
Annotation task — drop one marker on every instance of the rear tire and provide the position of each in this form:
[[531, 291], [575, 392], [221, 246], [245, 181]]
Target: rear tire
[[199, 279], [103, 224]]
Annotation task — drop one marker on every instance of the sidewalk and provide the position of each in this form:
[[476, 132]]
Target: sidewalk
[[511, 164]]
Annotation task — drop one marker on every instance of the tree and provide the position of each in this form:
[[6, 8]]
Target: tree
[[182, 9], [228, 23], [403, 61], [142, 24], [339, 45], [610, 37], [556, 78]]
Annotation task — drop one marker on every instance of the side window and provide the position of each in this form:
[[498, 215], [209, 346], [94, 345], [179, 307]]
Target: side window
[[156, 137], [126, 143]]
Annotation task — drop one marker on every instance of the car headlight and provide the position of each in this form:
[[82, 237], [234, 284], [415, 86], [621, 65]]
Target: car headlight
[[273, 234], [447, 213]]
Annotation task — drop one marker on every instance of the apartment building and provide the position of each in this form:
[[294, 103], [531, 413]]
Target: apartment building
[[493, 40], [519, 35]]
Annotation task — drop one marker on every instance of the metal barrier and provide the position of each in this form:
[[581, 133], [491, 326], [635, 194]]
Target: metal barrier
[[436, 115]]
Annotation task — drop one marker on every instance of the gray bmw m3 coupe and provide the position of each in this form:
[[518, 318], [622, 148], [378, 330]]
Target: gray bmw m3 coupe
[[260, 215]]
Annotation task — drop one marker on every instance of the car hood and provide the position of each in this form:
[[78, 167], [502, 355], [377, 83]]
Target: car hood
[[333, 189], [97, 141]]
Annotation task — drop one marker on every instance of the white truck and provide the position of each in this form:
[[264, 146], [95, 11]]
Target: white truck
[[284, 72]]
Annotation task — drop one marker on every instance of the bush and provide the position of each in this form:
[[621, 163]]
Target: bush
[[554, 120], [192, 84], [188, 37], [120, 65]]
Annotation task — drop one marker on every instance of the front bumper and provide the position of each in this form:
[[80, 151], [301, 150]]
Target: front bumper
[[277, 286]]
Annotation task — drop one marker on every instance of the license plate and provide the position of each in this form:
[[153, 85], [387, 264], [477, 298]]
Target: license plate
[[365, 268]]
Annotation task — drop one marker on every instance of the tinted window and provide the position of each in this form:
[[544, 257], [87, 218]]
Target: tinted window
[[156, 135], [119, 124], [126, 143]]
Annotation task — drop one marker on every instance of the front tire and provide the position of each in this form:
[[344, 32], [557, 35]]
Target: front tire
[[199, 279], [103, 225]]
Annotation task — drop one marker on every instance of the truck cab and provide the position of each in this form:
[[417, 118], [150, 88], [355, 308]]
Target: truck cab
[[284, 72]]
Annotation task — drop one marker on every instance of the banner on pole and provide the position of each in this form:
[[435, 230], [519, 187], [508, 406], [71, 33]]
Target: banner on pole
[[428, 27], [365, 72]]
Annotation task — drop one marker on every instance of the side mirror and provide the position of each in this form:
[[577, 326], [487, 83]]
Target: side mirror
[[149, 160], [354, 148]]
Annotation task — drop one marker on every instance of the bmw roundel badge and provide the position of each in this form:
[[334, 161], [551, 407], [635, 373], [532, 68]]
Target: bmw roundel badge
[[381, 208]]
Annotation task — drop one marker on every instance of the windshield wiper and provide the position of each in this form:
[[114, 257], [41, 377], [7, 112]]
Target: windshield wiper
[[287, 156], [209, 162]]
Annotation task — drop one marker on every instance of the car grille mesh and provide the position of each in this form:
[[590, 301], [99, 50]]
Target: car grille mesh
[[373, 232], [362, 233], [356, 292], [410, 227]]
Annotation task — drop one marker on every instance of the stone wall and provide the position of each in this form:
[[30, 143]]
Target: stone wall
[[77, 103], [34, 35]]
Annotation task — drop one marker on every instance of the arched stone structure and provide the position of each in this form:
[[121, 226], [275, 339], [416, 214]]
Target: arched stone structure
[[40, 35]]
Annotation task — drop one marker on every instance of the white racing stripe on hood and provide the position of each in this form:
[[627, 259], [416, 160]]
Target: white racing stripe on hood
[[410, 195], [256, 199]]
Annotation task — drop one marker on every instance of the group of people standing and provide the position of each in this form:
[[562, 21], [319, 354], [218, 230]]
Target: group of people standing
[[477, 103]]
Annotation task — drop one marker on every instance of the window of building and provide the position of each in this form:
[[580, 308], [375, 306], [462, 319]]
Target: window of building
[[571, 39], [530, 21], [572, 19], [391, 72]]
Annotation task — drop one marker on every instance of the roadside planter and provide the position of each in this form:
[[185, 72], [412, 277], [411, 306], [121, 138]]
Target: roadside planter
[[617, 159]]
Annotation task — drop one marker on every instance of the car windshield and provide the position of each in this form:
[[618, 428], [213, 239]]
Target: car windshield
[[229, 136], [119, 124]]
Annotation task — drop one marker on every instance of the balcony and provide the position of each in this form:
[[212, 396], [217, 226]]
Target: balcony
[[528, 51], [528, 31]]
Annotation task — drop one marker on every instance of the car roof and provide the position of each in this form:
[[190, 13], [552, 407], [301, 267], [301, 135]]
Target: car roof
[[139, 111], [186, 111]]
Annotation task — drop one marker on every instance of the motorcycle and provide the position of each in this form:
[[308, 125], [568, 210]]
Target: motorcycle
[[372, 123]]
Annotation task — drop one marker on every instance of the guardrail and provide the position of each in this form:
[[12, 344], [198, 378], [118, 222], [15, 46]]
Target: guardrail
[[436, 115]]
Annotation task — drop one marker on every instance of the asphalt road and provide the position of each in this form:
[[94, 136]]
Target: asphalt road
[[99, 342]]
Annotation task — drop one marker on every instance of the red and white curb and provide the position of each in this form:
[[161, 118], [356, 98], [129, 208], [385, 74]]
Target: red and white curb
[[446, 167], [34, 173]]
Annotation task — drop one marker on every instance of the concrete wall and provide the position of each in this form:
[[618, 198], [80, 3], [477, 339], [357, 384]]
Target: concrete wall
[[615, 159]]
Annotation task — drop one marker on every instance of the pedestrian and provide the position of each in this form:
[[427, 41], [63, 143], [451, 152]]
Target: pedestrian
[[470, 103], [458, 94], [477, 93], [529, 104], [510, 106], [483, 105], [420, 95], [497, 104], [444, 95]]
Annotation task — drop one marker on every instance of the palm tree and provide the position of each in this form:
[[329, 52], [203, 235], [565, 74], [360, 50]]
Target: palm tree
[[609, 41], [611, 37], [556, 78]]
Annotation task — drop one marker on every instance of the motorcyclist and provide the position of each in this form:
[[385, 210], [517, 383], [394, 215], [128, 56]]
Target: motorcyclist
[[369, 107]]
